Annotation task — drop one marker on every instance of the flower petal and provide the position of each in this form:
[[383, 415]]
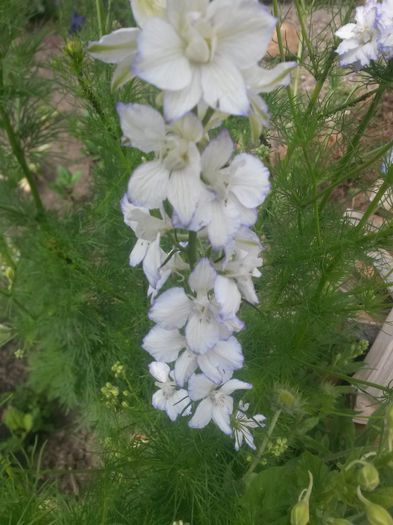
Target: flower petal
[[148, 185], [159, 401], [188, 127], [202, 415], [249, 180], [163, 345], [122, 73], [185, 366], [138, 252], [142, 10], [177, 103], [142, 125], [159, 371], [202, 332], [161, 59], [171, 309], [202, 277], [228, 296], [222, 418], [234, 384], [216, 154], [224, 88], [199, 386], [116, 46]]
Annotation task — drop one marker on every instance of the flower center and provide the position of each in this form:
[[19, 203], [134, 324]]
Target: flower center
[[200, 40], [175, 153]]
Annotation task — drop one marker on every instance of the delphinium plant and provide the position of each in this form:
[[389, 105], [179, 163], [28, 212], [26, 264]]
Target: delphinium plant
[[191, 113]]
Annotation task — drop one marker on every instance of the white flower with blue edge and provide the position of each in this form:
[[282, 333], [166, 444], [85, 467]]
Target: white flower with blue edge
[[196, 52], [235, 189], [360, 40], [199, 313], [175, 172], [385, 26], [216, 402]]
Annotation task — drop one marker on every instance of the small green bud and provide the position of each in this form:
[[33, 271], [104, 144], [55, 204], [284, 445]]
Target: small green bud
[[376, 515], [339, 521], [74, 49], [368, 477], [300, 513]]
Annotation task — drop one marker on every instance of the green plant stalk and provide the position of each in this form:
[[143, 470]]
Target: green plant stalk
[[5, 252], [100, 16], [192, 249], [350, 103], [363, 125], [387, 183], [263, 446], [18, 152], [300, 10]]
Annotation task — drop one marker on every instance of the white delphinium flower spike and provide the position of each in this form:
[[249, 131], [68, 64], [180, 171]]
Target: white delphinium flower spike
[[236, 188], [216, 404], [168, 398], [197, 50], [359, 44], [175, 173], [242, 424], [200, 314]]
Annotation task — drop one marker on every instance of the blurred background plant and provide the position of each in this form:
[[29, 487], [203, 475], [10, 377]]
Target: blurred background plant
[[73, 313]]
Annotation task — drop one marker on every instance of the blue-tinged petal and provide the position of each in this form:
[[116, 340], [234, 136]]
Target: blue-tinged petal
[[171, 309], [163, 345]]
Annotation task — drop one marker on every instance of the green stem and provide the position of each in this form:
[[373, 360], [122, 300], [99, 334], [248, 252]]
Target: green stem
[[100, 16], [387, 183], [349, 104], [18, 152], [300, 9], [192, 249], [263, 446]]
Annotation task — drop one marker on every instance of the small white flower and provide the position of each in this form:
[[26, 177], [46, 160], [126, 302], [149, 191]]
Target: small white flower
[[242, 425], [201, 315], [235, 187], [197, 50], [168, 398], [216, 404], [359, 44], [385, 26], [175, 173]]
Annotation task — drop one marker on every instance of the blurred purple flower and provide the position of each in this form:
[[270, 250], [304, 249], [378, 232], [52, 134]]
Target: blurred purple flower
[[77, 22]]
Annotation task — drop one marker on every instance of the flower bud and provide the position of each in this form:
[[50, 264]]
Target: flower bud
[[368, 477], [300, 513], [339, 521], [376, 515], [389, 417]]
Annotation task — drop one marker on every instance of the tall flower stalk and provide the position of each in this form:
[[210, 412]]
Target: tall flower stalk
[[193, 204]]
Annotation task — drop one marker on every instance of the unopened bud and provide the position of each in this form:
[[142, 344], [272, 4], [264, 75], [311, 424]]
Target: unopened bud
[[300, 513], [74, 49], [376, 514], [368, 477], [339, 521]]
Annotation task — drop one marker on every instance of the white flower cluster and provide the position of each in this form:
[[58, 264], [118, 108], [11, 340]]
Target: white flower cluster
[[369, 37], [193, 203]]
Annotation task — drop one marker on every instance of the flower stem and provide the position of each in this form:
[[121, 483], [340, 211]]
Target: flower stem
[[192, 249], [263, 446], [18, 152], [100, 16], [387, 183]]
